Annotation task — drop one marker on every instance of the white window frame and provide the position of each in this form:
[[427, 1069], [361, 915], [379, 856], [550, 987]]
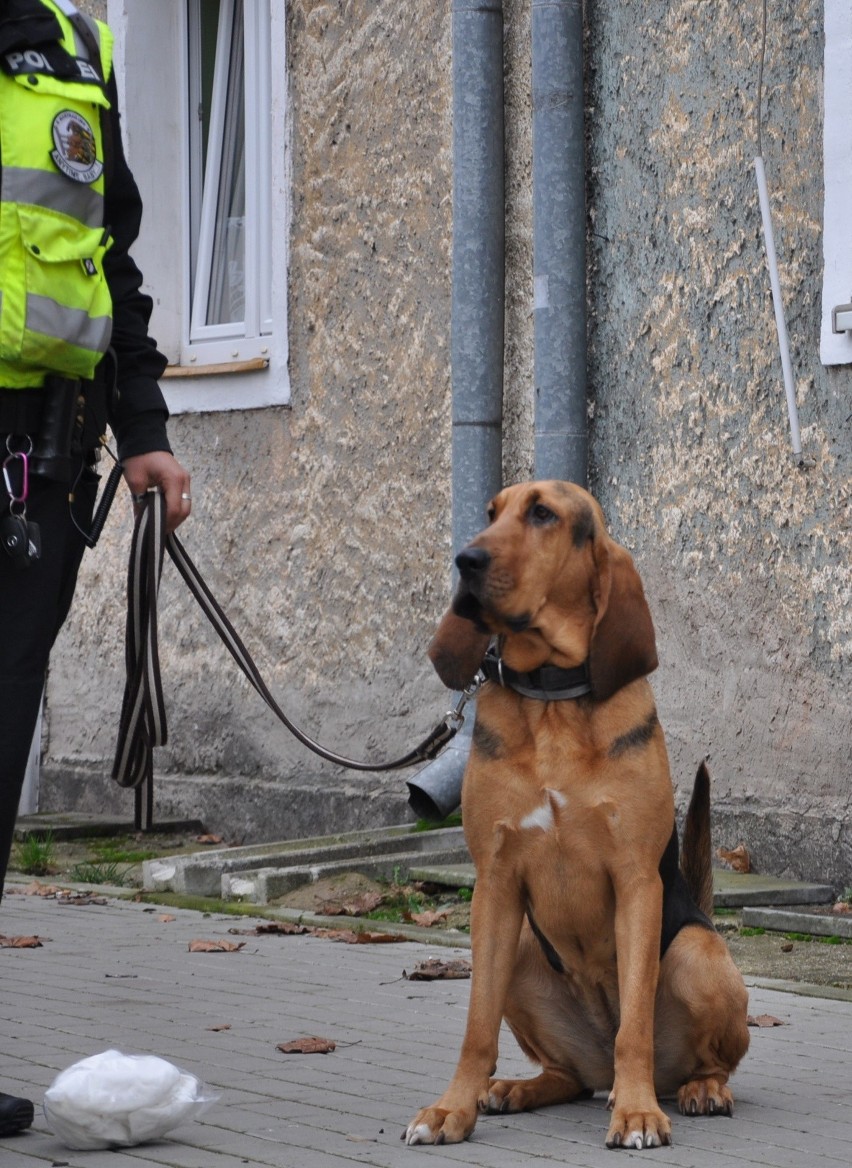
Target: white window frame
[[212, 343], [207, 372]]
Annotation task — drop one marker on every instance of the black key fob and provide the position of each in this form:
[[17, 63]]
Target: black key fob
[[14, 536], [21, 540]]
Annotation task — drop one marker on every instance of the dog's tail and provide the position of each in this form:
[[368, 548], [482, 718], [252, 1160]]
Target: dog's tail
[[696, 856]]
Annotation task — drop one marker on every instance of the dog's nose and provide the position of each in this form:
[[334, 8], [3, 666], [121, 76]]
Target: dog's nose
[[471, 560]]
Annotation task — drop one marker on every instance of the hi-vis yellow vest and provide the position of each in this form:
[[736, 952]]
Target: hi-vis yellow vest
[[55, 306]]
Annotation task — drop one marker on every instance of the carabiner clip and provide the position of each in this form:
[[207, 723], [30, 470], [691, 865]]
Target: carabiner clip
[[21, 496]]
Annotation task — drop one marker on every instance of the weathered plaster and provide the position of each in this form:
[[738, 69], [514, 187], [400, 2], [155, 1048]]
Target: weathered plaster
[[745, 555], [324, 528]]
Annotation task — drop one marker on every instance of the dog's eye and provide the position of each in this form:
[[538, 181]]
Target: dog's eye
[[541, 515]]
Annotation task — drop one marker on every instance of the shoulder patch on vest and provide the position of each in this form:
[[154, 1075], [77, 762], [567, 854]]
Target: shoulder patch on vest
[[75, 152]]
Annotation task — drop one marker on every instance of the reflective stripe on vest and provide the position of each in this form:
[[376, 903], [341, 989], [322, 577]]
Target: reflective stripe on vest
[[55, 306]]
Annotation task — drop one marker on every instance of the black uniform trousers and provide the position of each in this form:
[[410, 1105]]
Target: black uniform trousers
[[34, 603]]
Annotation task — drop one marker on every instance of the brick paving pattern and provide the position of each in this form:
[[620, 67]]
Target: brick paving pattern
[[116, 976]]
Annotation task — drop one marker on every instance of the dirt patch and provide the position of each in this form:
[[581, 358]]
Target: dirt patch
[[313, 897], [424, 904], [773, 955]]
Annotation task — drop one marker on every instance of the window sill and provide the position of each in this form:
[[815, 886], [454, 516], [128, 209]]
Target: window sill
[[223, 368]]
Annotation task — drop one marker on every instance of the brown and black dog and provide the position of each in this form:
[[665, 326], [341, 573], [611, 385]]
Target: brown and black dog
[[588, 936]]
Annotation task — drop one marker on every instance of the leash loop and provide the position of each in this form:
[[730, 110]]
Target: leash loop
[[143, 717]]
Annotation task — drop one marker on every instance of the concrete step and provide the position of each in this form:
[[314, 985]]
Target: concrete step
[[66, 825], [730, 889], [787, 920], [223, 871], [737, 890]]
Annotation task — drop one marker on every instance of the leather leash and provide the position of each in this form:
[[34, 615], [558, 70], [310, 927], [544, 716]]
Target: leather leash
[[143, 722]]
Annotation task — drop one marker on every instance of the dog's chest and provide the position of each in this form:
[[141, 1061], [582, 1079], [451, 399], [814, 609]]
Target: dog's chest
[[568, 893], [561, 840]]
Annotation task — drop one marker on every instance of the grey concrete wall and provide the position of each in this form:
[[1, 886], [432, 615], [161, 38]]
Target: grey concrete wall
[[324, 528]]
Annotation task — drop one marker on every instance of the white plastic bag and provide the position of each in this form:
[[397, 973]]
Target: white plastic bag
[[118, 1100]]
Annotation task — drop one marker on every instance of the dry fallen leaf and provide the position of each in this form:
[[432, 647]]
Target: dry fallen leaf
[[429, 918], [350, 937], [311, 1045], [365, 902], [215, 946], [39, 889], [276, 928], [738, 858], [209, 839], [166, 918], [221, 1026], [842, 907], [80, 898], [435, 969], [763, 1020], [19, 942]]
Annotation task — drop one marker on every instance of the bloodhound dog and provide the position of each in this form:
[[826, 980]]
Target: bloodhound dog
[[589, 936]]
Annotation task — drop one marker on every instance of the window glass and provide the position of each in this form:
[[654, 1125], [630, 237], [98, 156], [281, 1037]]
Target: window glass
[[228, 47]]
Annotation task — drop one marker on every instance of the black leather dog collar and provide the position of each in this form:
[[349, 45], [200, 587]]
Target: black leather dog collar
[[549, 683]]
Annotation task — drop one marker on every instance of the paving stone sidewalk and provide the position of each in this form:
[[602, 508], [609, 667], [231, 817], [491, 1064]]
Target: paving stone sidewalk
[[117, 976]]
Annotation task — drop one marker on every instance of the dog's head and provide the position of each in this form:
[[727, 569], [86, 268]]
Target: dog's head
[[546, 577]]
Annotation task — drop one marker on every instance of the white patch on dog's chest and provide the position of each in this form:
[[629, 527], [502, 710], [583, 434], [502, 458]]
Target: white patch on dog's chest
[[544, 816]]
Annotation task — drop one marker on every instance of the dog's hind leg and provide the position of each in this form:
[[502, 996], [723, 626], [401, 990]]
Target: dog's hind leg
[[701, 1030]]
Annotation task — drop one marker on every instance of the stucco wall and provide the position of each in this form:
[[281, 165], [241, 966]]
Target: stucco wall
[[324, 527], [745, 555]]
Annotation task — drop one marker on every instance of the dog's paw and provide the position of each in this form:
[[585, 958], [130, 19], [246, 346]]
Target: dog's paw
[[507, 1095], [633, 1128], [439, 1125], [510, 1095], [710, 1096]]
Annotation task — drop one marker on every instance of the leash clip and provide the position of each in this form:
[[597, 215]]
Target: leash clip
[[455, 718]]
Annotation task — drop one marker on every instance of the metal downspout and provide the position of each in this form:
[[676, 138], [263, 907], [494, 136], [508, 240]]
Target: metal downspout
[[559, 241], [476, 349]]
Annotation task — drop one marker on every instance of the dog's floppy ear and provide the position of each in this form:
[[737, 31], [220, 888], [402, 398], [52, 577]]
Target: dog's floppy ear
[[623, 646], [457, 650]]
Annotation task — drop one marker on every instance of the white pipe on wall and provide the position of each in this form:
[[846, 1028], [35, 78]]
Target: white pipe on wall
[[778, 304]]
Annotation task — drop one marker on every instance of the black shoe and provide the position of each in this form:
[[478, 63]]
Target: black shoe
[[15, 1114]]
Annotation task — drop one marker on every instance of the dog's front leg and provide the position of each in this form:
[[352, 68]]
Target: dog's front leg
[[637, 1120], [496, 915]]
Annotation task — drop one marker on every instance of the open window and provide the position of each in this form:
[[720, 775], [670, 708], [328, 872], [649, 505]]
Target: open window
[[229, 177], [208, 146]]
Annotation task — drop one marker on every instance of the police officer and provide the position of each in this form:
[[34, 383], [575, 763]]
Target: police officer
[[74, 353]]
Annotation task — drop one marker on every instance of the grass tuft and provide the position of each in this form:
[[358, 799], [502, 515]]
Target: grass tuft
[[34, 855]]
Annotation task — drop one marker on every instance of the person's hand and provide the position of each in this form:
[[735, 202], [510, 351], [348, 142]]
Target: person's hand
[[160, 469]]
